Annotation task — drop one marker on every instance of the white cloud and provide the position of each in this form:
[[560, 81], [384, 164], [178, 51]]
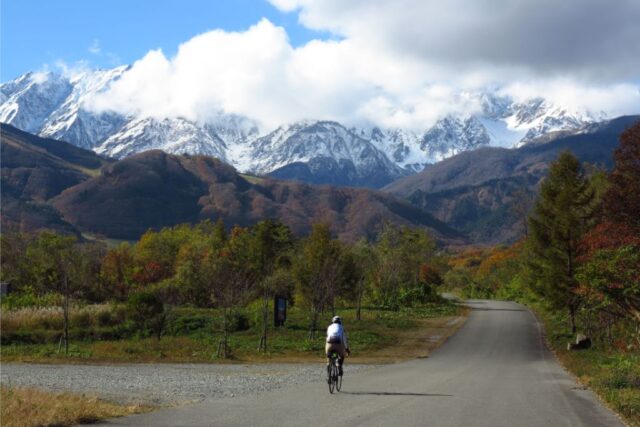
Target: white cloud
[[399, 64]]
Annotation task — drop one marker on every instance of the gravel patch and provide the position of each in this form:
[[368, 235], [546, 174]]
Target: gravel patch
[[165, 384]]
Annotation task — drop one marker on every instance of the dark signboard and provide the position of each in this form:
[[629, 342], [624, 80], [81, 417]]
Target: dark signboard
[[279, 311]]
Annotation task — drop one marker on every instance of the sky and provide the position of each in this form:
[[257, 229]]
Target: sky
[[105, 33], [400, 63]]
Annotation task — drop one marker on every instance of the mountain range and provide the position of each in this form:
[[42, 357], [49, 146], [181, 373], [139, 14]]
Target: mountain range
[[58, 106], [487, 193], [55, 185], [478, 196]]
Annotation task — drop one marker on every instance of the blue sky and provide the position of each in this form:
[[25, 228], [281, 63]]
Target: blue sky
[[395, 63], [112, 32]]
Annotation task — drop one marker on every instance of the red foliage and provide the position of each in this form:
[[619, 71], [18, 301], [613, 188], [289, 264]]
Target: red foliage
[[429, 275], [608, 235], [151, 272], [620, 223]]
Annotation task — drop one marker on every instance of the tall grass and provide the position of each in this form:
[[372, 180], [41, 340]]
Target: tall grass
[[51, 318]]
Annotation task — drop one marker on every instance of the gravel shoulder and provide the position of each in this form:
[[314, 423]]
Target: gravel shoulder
[[165, 384]]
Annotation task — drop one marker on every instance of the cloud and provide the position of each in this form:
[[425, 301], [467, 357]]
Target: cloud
[[395, 64], [593, 38], [94, 48]]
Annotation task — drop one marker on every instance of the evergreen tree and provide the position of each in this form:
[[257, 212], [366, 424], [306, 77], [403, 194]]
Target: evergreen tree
[[562, 215]]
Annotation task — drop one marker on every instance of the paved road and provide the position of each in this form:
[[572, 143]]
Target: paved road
[[494, 372]]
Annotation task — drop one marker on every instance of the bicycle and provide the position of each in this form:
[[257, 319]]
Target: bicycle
[[333, 373]]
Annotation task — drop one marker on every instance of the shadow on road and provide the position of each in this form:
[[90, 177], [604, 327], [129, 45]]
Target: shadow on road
[[386, 393], [495, 309]]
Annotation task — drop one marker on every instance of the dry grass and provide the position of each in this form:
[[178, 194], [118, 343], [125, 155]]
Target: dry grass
[[415, 343], [50, 317], [30, 407]]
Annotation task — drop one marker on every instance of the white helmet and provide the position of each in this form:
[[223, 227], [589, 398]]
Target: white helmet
[[336, 319]]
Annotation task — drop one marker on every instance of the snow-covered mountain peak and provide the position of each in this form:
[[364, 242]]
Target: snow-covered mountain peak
[[61, 107], [30, 99], [178, 136]]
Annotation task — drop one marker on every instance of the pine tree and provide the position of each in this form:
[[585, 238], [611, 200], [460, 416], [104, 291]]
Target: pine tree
[[562, 215]]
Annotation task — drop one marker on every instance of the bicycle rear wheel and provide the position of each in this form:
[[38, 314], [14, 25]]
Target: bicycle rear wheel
[[338, 379], [332, 377]]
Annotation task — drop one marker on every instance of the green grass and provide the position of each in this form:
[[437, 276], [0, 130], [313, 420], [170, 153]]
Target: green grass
[[252, 178], [111, 243], [613, 374], [192, 335]]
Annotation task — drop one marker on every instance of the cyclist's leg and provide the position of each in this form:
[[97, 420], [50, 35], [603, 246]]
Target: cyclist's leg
[[328, 349], [341, 354]]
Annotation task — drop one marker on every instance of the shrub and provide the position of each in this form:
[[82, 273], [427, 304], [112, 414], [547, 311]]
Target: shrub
[[81, 319], [189, 323], [623, 373], [147, 311], [238, 322], [28, 299]]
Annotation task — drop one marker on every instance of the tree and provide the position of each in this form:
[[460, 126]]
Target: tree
[[364, 264], [622, 198], [562, 215], [117, 270], [56, 265], [231, 274], [155, 253], [317, 269], [400, 252], [271, 240], [16, 266], [609, 278]]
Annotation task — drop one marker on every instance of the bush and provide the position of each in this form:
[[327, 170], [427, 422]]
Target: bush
[[147, 312], [417, 295], [623, 373], [189, 323], [104, 318], [28, 298], [238, 322], [81, 319]]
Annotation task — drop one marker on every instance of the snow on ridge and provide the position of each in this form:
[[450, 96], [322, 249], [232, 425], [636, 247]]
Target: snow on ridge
[[57, 106]]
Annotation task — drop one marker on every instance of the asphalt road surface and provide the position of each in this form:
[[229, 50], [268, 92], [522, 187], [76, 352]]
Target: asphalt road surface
[[495, 371]]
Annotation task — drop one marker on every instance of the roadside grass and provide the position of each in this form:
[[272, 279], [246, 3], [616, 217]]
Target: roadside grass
[[613, 374], [192, 335], [23, 407]]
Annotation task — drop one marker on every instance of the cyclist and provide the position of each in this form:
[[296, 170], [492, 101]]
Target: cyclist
[[336, 342]]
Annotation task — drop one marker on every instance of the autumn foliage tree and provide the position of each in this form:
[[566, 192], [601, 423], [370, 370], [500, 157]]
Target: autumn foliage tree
[[610, 278], [317, 270]]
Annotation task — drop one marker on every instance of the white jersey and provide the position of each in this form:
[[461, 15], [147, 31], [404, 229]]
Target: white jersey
[[336, 335]]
